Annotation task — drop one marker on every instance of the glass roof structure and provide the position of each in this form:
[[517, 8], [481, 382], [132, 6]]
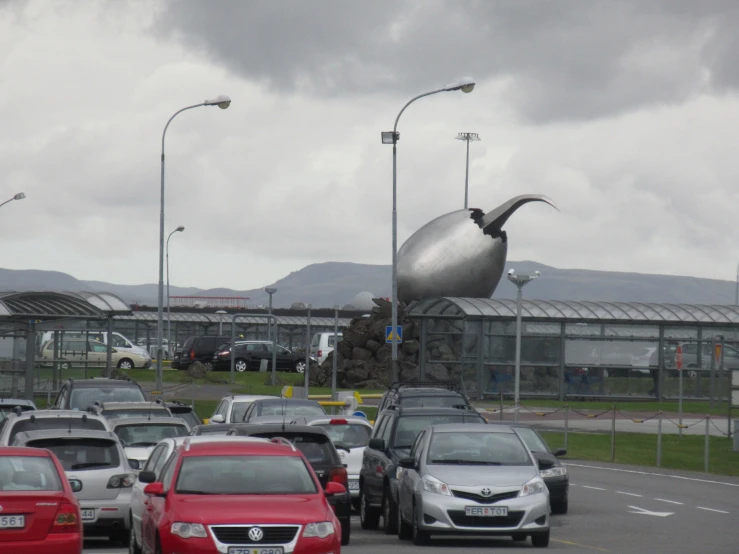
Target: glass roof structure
[[60, 305], [214, 319], [595, 312]]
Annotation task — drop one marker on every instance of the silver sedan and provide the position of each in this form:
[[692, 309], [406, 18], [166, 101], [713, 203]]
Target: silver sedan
[[472, 479]]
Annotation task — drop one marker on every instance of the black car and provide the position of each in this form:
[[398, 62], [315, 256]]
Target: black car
[[286, 409], [316, 446], [392, 438], [220, 429], [556, 478], [423, 395], [249, 355], [80, 394], [184, 411], [201, 349]]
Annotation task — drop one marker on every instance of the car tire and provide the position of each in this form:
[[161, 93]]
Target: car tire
[[369, 517], [561, 506], [208, 366], [133, 546], [346, 531], [420, 537], [240, 365], [519, 537], [299, 366], [405, 530], [540, 540], [389, 513], [355, 504], [65, 366], [119, 537], [125, 363]]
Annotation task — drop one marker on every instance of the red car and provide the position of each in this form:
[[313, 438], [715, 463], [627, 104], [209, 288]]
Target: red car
[[38, 509], [239, 498]]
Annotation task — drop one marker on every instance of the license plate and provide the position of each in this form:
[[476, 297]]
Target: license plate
[[486, 511], [88, 515], [353, 485], [12, 522], [252, 550]]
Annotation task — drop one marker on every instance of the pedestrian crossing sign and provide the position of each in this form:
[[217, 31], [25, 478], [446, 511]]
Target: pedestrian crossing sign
[[389, 334]]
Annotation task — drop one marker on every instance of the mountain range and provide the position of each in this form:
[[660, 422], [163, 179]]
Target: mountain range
[[324, 285]]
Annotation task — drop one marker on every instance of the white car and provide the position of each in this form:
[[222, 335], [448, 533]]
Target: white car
[[350, 435], [322, 344], [232, 408], [139, 435]]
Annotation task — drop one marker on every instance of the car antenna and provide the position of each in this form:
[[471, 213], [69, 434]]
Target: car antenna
[[284, 413], [149, 418]]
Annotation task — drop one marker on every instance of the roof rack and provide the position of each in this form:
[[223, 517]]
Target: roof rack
[[449, 385], [283, 441]]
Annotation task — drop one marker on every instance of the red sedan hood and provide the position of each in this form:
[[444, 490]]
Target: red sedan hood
[[233, 509]]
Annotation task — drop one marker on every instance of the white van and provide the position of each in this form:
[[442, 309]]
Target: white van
[[322, 344], [120, 343]]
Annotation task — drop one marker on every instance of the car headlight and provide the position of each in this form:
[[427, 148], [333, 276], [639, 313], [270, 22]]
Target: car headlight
[[321, 529], [188, 530], [554, 472], [432, 484], [535, 486]]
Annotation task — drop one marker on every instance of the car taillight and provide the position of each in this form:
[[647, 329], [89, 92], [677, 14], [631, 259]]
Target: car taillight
[[192, 354], [123, 481], [66, 520], [320, 352], [339, 475], [337, 422]]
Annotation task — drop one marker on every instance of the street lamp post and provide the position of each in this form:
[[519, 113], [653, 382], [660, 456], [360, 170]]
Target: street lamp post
[[19, 196], [467, 137], [222, 102], [270, 291], [169, 314], [736, 298], [520, 281], [391, 137]]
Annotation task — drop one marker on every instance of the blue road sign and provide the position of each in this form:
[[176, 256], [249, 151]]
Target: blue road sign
[[389, 334], [360, 414]]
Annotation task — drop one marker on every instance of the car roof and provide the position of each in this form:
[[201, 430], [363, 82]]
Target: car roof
[[16, 402], [56, 413], [102, 382], [118, 421], [214, 438], [64, 433], [400, 409], [277, 400], [427, 392], [471, 428], [511, 424], [24, 451], [349, 419], [229, 448], [250, 397], [280, 428], [132, 405]]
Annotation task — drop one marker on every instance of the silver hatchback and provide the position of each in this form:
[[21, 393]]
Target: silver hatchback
[[473, 479], [97, 459]]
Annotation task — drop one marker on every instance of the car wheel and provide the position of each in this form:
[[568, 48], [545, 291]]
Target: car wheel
[[133, 546], [208, 366], [560, 507], [65, 365], [420, 537], [540, 540], [519, 537], [355, 504], [125, 363], [692, 374], [346, 531], [119, 536], [300, 366], [240, 365], [369, 517], [405, 531], [389, 513]]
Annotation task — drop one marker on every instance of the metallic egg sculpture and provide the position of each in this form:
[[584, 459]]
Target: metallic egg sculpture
[[461, 253]]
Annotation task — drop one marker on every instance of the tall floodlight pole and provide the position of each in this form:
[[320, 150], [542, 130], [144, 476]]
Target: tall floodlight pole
[[467, 137], [169, 313], [270, 291], [19, 196], [520, 281], [392, 137], [334, 353], [222, 102]]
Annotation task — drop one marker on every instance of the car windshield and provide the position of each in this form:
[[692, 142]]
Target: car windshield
[[212, 430], [80, 454], [409, 426], [532, 439], [432, 401], [238, 410], [353, 435], [244, 475], [28, 473], [138, 412], [147, 434], [43, 423], [188, 415], [83, 397], [470, 448], [290, 409]]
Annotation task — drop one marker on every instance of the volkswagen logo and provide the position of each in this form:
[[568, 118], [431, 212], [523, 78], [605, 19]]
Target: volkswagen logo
[[256, 534], [486, 491]]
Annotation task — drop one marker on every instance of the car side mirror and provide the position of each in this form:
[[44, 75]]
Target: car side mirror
[[154, 489], [407, 463], [218, 418], [76, 485], [377, 444], [134, 464], [333, 488], [147, 477], [560, 452], [545, 464]]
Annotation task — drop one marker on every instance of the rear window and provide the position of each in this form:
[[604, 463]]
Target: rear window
[[80, 454], [332, 340], [138, 412], [145, 434], [81, 398], [289, 409], [431, 401], [28, 473], [43, 423], [188, 415], [316, 448], [244, 475], [351, 435], [238, 410]]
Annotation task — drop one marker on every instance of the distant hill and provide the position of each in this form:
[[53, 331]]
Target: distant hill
[[325, 284]]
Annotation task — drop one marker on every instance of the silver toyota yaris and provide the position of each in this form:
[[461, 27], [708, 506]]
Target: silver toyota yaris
[[473, 479]]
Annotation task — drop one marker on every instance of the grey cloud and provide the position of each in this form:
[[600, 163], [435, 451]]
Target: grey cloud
[[566, 59]]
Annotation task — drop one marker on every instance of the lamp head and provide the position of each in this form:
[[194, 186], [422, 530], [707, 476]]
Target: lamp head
[[466, 84], [223, 101], [270, 290], [180, 228], [19, 196]]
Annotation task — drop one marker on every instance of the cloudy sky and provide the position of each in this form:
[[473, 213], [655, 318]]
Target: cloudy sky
[[624, 113]]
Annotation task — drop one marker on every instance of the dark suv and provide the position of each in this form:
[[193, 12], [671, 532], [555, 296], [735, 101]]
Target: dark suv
[[80, 394], [423, 395], [396, 428], [316, 446], [201, 349]]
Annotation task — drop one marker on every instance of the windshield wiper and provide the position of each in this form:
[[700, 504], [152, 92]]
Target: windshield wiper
[[142, 444], [465, 462], [90, 464]]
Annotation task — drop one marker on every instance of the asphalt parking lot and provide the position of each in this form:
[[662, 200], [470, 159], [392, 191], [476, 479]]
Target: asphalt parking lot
[[612, 509]]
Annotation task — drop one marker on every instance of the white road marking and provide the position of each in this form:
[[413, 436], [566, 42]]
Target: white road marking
[[629, 494], [594, 488], [657, 474], [668, 501], [642, 511], [712, 510]]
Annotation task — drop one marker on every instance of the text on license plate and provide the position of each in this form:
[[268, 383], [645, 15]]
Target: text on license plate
[[88, 515], [353, 485], [252, 550], [486, 511], [12, 522]]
